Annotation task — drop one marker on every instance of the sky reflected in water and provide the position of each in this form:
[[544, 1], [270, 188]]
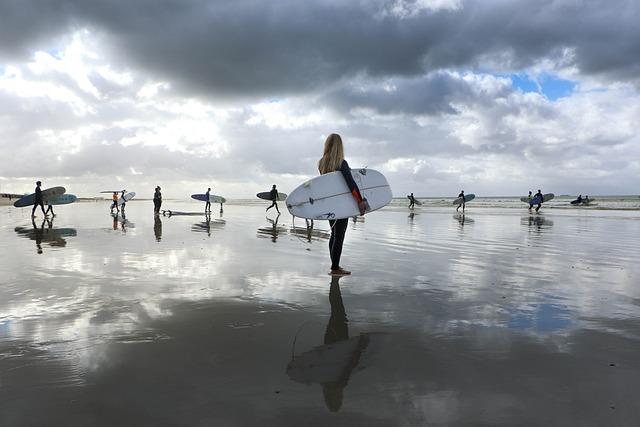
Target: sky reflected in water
[[493, 317]]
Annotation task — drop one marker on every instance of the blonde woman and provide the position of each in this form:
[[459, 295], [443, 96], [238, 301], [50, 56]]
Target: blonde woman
[[333, 160]]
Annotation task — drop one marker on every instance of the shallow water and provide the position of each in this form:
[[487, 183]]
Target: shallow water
[[498, 317]]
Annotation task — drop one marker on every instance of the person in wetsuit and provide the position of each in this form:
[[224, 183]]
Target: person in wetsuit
[[49, 208], [157, 200], [123, 201], [529, 197], [274, 198], [38, 200], [461, 203], [333, 160], [412, 201], [207, 205], [539, 194]]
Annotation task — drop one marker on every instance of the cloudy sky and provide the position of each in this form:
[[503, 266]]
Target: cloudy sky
[[497, 97]]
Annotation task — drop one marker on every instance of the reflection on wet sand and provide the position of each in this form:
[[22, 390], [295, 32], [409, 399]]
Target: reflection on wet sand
[[536, 222], [273, 231], [207, 225], [52, 236], [309, 233], [157, 227], [121, 219], [331, 364], [463, 219]]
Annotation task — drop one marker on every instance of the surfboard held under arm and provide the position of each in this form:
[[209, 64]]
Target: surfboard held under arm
[[328, 196]]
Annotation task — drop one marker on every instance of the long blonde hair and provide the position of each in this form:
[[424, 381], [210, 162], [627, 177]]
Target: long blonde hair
[[333, 154]]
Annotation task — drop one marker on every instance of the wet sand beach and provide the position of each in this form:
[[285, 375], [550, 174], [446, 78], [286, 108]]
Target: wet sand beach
[[497, 317]]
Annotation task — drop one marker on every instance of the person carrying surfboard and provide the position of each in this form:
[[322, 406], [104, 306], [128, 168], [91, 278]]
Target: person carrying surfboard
[[529, 197], [115, 202], [124, 201], [333, 160], [207, 205], [461, 197], [274, 198], [540, 200], [412, 201], [38, 200]]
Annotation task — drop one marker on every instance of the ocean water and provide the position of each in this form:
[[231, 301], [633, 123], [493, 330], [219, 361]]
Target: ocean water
[[495, 317]]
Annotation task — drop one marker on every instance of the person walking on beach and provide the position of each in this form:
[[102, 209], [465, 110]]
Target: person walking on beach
[[38, 200], [157, 200], [49, 208], [124, 201], [461, 195], [115, 202], [333, 160], [274, 198], [412, 201], [529, 197], [539, 194], [207, 206]]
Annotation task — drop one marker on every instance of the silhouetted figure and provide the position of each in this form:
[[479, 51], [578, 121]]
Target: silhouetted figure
[[539, 194], [157, 200], [412, 201], [462, 203], [274, 198], [38, 200], [207, 205]]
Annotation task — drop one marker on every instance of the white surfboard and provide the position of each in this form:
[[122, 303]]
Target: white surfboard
[[128, 196], [467, 198], [328, 196]]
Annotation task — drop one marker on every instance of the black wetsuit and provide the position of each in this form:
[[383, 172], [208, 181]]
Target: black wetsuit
[[539, 194], [274, 196], [412, 202], [339, 226], [207, 206], [38, 202], [157, 201], [461, 203]]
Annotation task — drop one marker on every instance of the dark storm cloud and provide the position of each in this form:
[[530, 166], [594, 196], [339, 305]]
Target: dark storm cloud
[[237, 48]]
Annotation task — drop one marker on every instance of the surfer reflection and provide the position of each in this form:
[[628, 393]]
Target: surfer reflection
[[45, 233], [38, 233], [157, 227], [274, 227], [331, 364]]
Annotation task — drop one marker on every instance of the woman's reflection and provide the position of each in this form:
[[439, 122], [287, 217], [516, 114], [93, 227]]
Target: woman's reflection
[[331, 364]]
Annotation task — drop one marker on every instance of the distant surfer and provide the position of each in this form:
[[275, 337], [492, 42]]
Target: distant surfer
[[157, 200], [529, 197], [207, 205], [274, 197], [333, 160], [38, 200], [579, 199], [124, 201], [461, 196], [115, 202], [586, 200], [412, 201], [540, 200]]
